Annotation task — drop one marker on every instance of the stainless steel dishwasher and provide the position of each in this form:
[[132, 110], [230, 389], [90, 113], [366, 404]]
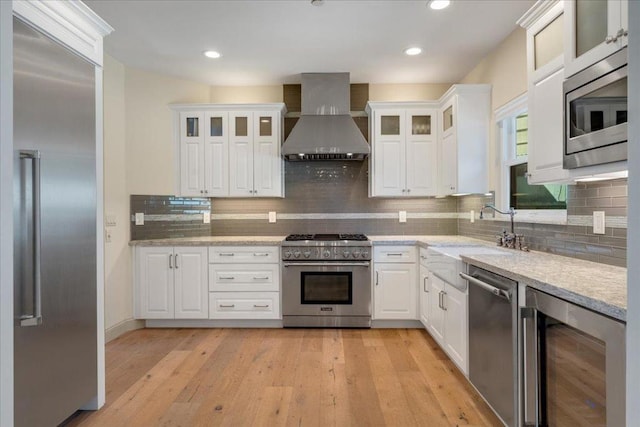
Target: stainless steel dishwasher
[[493, 340]]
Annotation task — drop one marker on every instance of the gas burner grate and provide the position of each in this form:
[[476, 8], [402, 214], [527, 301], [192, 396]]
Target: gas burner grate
[[297, 237], [352, 236]]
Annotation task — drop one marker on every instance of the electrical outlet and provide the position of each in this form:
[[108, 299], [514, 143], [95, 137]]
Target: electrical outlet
[[139, 218], [402, 216], [206, 217], [473, 216], [598, 222], [272, 217]]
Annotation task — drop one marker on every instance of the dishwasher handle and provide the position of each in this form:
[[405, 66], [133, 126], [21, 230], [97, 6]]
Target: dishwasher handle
[[487, 287]]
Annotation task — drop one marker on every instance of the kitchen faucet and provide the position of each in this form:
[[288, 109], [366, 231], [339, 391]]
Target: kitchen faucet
[[511, 212], [508, 240]]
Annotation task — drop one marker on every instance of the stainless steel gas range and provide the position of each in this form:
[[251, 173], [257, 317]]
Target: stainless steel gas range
[[326, 281]]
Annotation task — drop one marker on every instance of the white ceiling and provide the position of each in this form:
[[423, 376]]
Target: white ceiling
[[271, 42]]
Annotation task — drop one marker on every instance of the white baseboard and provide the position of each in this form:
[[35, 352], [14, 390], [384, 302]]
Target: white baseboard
[[122, 327], [207, 323]]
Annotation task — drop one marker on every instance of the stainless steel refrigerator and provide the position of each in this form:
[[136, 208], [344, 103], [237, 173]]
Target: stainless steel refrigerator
[[55, 337]]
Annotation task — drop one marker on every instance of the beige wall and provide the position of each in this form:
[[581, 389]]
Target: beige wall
[[407, 92], [149, 128], [117, 255], [505, 68], [245, 94]]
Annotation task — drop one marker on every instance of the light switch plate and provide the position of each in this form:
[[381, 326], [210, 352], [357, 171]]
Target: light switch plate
[[598, 222], [473, 216], [139, 218], [206, 217], [402, 216], [272, 217], [110, 220]]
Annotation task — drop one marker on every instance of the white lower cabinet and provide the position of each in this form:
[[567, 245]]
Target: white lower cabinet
[[171, 283], [244, 305], [423, 290], [394, 290], [448, 320], [244, 282]]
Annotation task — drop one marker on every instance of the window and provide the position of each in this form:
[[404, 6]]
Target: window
[[513, 125]]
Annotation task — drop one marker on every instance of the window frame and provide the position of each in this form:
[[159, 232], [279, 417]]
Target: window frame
[[505, 126]]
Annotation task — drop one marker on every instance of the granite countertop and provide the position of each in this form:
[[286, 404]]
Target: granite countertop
[[424, 241], [599, 287], [212, 241]]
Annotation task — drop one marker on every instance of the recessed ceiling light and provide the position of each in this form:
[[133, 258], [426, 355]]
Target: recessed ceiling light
[[212, 54], [412, 51], [438, 4]]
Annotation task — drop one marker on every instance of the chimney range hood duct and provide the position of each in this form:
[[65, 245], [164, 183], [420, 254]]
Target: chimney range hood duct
[[325, 130]]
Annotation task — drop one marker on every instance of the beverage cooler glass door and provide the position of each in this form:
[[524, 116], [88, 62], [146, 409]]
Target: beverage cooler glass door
[[574, 365]]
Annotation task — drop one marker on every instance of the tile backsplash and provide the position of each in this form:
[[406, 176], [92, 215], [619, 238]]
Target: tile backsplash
[[575, 239], [332, 196], [169, 216]]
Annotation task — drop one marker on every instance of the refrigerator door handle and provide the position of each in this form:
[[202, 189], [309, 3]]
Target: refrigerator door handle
[[35, 318]]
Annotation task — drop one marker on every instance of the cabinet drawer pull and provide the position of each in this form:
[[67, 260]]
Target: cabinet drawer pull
[[170, 263], [227, 254], [261, 278], [261, 306], [227, 278], [175, 260], [424, 286], [394, 254], [261, 254], [227, 305]]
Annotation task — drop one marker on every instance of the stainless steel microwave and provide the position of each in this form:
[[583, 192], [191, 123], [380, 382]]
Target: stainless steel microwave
[[595, 113]]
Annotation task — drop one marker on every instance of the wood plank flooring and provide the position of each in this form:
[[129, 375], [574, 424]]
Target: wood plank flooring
[[283, 377]]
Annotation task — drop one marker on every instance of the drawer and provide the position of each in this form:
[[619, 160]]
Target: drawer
[[244, 254], [423, 256], [244, 277], [244, 305], [394, 253]]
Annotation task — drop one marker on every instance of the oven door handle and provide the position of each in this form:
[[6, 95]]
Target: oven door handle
[[487, 287], [326, 264]]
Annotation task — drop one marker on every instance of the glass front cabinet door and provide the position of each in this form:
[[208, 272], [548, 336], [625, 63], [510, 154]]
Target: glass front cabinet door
[[594, 29]]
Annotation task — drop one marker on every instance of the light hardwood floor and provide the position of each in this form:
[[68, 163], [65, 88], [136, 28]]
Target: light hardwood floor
[[293, 377]]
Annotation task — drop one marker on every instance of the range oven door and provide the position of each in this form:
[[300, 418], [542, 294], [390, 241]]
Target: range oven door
[[574, 370], [318, 294], [595, 105]]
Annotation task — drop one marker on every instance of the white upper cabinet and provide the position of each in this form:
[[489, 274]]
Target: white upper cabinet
[[548, 51], [216, 154], [404, 153], [230, 150], [594, 29], [464, 116], [545, 75]]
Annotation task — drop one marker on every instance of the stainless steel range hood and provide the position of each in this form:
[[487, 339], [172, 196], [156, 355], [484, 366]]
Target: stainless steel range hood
[[325, 130]]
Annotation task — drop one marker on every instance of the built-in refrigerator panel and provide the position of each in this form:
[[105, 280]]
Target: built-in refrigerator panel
[[55, 355]]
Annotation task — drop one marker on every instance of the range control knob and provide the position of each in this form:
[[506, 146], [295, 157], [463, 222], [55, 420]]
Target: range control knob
[[306, 254], [287, 254], [326, 254], [365, 254], [296, 253], [356, 253], [345, 254]]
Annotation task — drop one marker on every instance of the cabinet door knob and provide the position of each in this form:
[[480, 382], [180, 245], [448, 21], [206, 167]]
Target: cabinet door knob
[[610, 39]]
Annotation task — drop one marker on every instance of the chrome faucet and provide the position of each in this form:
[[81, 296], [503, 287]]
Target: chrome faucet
[[509, 240], [511, 212]]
